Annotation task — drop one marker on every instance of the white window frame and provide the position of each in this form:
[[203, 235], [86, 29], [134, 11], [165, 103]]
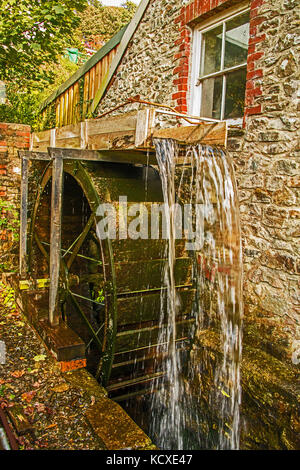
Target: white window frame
[[196, 87]]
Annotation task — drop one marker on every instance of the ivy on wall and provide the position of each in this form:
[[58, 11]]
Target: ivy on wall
[[9, 232]]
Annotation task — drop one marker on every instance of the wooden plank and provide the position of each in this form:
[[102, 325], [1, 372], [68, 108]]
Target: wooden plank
[[122, 123], [92, 83], [97, 77], [206, 133], [149, 275], [143, 337], [57, 111], [144, 127], [76, 104], [146, 307], [70, 106], [61, 116], [66, 104], [83, 135], [61, 340], [68, 132], [85, 94], [55, 239]]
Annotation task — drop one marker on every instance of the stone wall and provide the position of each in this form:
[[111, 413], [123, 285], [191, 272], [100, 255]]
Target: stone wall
[[13, 137], [265, 152], [268, 176]]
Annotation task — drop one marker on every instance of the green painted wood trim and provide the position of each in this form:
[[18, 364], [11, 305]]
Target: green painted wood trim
[[111, 44], [120, 52]]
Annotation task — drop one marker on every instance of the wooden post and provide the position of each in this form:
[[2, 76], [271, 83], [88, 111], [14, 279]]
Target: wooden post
[[55, 237], [23, 214]]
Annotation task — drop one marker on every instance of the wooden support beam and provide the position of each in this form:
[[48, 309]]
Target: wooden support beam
[[204, 133], [55, 238], [23, 214], [112, 156]]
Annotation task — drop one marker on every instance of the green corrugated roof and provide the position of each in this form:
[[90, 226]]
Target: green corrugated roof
[[111, 44]]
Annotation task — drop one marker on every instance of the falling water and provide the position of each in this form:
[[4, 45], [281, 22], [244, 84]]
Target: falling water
[[200, 395]]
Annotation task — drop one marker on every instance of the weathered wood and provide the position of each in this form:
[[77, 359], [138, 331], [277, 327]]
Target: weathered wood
[[134, 130], [63, 342], [113, 156], [206, 133], [144, 125], [55, 239], [19, 419], [23, 214]]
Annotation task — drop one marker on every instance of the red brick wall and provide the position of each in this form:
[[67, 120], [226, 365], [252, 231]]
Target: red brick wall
[[201, 9], [13, 137]]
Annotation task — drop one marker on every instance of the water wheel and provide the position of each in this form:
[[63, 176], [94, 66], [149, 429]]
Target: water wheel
[[109, 290]]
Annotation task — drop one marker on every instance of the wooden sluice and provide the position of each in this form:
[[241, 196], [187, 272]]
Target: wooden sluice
[[91, 300]]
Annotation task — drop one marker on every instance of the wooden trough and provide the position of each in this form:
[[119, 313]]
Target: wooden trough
[[91, 299]]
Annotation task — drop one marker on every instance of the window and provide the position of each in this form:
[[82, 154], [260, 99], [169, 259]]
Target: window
[[219, 76]]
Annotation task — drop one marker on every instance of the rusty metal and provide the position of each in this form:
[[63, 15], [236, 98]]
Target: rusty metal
[[173, 112], [9, 433]]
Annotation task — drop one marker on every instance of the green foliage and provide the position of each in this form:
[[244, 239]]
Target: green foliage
[[7, 296], [101, 23], [9, 222], [24, 100], [33, 37], [9, 219], [100, 296], [34, 33]]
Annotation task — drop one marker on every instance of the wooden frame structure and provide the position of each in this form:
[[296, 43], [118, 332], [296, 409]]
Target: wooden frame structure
[[126, 138]]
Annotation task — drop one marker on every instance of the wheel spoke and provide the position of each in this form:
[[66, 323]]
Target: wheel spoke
[[84, 317], [42, 249], [97, 332], [80, 240], [86, 298]]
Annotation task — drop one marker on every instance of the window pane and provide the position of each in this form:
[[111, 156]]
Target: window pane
[[211, 97], [235, 94], [211, 51], [236, 40]]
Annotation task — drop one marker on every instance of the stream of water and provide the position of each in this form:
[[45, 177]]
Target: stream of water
[[197, 405]]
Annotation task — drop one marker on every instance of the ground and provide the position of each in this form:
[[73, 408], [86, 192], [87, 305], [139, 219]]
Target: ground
[[53, 403]]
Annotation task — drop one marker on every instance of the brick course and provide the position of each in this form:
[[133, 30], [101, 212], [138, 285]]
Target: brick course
[[13, 137]]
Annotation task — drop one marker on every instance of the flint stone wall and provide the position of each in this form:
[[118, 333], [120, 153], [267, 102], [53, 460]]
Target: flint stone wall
[[265, 153]]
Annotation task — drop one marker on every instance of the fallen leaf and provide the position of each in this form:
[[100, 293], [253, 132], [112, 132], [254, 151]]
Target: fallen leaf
[[39, 357], [61, 388], [18, 373], [51, 426], [28, 396], [29, 410], [40, 407]]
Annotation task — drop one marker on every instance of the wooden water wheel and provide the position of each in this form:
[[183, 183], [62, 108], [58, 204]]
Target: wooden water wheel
[[91, 298], [108, 290]]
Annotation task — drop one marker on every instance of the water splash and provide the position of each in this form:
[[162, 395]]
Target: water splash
[[197, 406]]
